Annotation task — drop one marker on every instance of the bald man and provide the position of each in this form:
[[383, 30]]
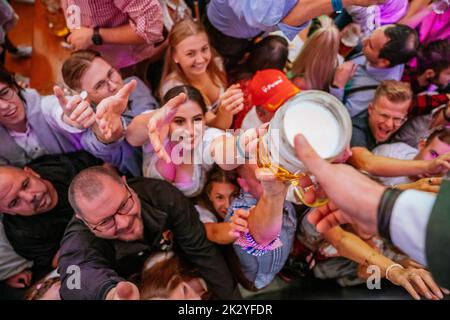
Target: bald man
[[35, 208]]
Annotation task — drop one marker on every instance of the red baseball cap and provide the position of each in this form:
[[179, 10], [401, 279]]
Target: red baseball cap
[[270, 88]]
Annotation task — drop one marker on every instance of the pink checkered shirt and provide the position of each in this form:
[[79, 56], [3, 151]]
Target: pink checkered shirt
[[145, 16]]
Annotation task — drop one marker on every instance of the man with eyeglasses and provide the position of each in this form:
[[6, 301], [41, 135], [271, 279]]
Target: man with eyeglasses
[[30, 125], [386, 114], [34, 212], [118, 223]]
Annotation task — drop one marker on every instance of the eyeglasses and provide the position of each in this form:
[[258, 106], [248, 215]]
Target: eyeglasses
[[385, 117], [7, 93], [113, 76], [110, 222]]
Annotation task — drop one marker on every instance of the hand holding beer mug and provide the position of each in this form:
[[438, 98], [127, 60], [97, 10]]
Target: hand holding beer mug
[[325, 123]]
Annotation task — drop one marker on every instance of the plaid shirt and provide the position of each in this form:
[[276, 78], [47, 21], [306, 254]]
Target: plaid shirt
[[422, 103], [425, 103], [245, 201], [144, 16]]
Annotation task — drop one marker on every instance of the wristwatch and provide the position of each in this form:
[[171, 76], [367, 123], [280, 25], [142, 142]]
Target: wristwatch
[[96, 37]]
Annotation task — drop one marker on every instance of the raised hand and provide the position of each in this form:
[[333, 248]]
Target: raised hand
[[232, 101], [77, 112], [238, 222], [158, 125], [109, 110]]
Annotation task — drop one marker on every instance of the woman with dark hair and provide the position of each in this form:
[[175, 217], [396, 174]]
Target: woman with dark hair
[[212, 205], [182, 149]]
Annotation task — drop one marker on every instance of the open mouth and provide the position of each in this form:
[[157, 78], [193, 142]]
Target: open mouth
[[42, 203]]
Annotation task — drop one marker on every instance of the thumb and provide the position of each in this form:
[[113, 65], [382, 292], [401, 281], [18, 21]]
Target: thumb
[[307, 155], [125, 91], [59, 93], [127, 291]]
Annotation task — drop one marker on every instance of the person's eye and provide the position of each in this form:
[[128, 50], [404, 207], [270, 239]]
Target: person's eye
[[179, 122], [198, 119], [190, 54], [434, 154], [205, 49], [219, 197], [100, 85], [14, 203], [26, 184]]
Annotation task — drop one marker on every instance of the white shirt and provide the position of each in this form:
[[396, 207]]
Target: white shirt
[[398, 150], [409, 221], [205, 215]]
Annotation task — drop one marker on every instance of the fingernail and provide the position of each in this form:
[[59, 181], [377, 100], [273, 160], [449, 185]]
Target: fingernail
[[440, 295], [429, 296]]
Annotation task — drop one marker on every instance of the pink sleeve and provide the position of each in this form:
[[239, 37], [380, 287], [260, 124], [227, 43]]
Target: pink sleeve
[[145, 17]]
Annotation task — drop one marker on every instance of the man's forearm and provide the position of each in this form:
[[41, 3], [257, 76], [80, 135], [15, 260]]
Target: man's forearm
[[306, 10], [266, 219], [124, 34], [364, 160]]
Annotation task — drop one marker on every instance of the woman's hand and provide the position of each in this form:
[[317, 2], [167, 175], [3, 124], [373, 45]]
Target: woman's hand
[[232, 101], [158, 125], [424, 184], [418, 282], [238, 222]]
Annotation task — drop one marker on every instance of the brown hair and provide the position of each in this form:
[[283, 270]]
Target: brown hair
[[318, 59], [38, 290], [180, 31], [164, 276], [394, 91], [75, 66], [219, 175], [442, 133]]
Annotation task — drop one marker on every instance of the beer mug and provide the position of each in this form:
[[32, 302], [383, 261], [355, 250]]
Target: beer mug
[[327, 126]]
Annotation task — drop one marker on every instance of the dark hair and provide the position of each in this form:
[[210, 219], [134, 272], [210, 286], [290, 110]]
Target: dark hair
[[216, 174], [435, 56], [75, 66], [402, 45], [442, 133], [8, 78], [192, 94], [88, 185], [269, 53]]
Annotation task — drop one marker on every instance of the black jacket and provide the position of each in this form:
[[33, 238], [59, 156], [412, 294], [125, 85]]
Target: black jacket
[[163, 207], [37, 238]]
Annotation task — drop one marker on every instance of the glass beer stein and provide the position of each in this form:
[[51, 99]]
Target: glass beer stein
[[327, 126]]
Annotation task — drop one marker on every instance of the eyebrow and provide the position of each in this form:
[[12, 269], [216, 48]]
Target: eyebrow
[[120, 207], [110, 71], [4, 89]]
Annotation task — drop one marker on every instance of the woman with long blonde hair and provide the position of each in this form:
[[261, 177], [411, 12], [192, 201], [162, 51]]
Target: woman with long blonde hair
[[190, 60], [315, 65]]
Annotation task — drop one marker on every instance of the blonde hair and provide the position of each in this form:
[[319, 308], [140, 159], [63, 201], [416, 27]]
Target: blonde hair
[[180, 31], [394, 91], [318, 59]]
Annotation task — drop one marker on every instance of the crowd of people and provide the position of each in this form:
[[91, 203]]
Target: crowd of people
[[140, 183]]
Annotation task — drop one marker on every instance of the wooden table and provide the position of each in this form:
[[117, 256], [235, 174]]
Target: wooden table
[[48, 54]]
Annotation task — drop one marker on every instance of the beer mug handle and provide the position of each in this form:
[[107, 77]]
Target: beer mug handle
[[308, 191]]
